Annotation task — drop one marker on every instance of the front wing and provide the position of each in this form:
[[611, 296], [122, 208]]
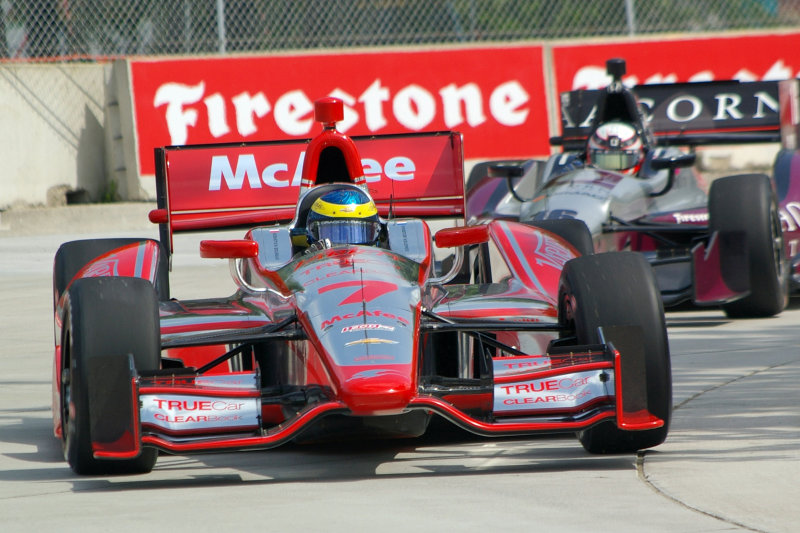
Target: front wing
[[180, 411]]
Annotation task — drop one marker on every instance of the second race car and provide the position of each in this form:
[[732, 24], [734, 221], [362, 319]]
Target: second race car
[[622, 174]]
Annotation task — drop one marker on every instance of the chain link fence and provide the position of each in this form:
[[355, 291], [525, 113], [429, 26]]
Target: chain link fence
[[86, 30]]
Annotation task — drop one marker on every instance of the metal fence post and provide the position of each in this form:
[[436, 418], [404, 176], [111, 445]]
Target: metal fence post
[[221, 26], [630, 15]]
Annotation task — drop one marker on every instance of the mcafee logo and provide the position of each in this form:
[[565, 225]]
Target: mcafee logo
[[398, 168]]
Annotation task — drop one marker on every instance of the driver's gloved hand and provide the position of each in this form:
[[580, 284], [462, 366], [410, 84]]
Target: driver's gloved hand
[[318, 245]]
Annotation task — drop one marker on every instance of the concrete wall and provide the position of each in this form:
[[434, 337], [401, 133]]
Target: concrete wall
[[52, 133]]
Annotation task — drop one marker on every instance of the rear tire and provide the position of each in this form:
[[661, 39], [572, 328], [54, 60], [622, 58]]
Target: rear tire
[[617, 291], [106, 317], [744, 211]]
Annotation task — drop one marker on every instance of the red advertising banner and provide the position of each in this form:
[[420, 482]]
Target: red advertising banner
[[494, 96], [737, 57]]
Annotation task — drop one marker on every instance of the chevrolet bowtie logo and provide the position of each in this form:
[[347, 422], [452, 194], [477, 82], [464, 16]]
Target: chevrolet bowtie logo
[[370, 341]]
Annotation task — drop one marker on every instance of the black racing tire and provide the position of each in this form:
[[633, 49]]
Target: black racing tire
[[73, 256], [104, 317], [744, 210], [572, 230], [617, 291]]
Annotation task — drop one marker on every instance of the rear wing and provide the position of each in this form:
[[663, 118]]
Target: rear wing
[[246, 184], [698, 113]]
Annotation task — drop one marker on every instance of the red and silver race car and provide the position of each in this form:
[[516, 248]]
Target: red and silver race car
[[344, 319], [735, 244]]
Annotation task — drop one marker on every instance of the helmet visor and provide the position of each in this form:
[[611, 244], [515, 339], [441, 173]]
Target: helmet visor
[[346, 231], [615, 159]]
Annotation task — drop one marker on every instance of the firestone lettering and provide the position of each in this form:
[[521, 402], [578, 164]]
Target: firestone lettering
[[413, 106], [790, 221], [596, 77], [690, 217], [790, 216]]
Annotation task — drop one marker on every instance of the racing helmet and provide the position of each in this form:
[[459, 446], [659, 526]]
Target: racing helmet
[[344, 216], [616, 146]]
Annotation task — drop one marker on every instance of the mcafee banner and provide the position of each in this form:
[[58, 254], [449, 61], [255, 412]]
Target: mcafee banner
[[253, 183], [493, 96], [742, 57]]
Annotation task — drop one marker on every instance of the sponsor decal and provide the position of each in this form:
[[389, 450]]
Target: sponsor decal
[[367, 327], [326, 277], [176, 412], [107, 267], [549, 399], [503, 366], [206, 101], [414, 107], [753, 57], [239, 184], [373, 373], [683, 218], [664, 109], [243, 381], [550, 252], [790, 222], [608, 180], [790, 216], [555, 214], [370, 340], [595, 76], [586, 188], [326, 324], [245, 173], [235, 381], [562, 392]]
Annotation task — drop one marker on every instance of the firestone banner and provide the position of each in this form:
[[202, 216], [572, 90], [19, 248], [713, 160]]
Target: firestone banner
[[493, 96], [741, 57]]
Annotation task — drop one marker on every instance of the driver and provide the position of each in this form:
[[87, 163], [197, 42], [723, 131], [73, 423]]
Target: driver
[[616, 146], [344, 216]]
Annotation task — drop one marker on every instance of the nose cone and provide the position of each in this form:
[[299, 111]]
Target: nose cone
[[378, 391]]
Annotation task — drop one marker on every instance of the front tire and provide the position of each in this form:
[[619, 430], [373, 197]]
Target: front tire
[[744, 211], [617, 291], [106, 317]]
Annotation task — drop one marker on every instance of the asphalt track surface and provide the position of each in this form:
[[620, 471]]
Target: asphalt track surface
[[730, 463]]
